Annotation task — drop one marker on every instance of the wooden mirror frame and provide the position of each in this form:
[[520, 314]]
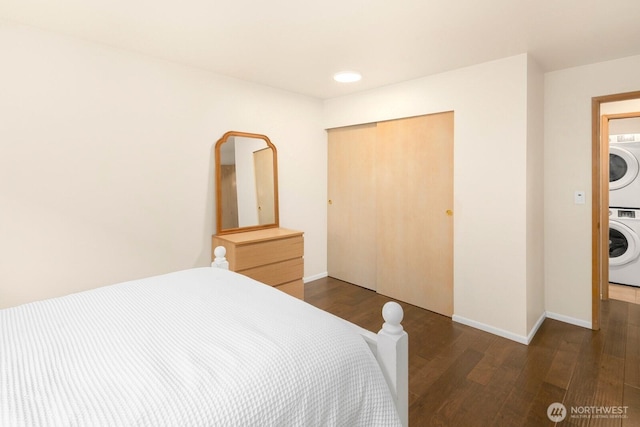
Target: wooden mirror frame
[[218, 171]]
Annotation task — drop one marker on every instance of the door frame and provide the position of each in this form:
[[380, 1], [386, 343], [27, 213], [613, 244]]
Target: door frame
[[600, 195]]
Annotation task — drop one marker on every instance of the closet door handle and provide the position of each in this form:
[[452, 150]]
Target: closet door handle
[[449, 212], [330, 202]]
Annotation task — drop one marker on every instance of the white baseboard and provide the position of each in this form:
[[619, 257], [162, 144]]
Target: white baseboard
[[315, 277], [492, 330], [535, 328], [570, 320], [521, 338]]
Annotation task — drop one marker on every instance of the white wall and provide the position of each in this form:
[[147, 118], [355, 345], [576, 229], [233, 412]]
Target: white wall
[[106, 168], [490, 180], [567, 156]]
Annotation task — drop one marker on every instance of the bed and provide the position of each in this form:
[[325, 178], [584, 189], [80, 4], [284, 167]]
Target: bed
[[199, 347]]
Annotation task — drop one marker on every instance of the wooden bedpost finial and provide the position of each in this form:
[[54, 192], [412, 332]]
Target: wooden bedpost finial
[[392, 314], [220, 261]]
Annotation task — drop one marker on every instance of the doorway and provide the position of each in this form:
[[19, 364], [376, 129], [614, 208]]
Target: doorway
[[600, 205]]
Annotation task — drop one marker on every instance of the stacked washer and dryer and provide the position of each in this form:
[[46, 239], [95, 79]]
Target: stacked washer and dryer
[[624, 209]]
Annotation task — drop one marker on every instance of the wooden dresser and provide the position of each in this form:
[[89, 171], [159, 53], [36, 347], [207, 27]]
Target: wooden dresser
[[273, 256]]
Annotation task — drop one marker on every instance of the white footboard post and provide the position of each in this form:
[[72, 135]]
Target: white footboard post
[[393, 356], [220, 261]]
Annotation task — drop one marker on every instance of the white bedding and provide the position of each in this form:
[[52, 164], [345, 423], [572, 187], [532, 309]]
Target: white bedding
[[200, 347]]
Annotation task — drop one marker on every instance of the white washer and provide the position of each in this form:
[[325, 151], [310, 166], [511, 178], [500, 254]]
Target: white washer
[[624, 179], [624, 246]]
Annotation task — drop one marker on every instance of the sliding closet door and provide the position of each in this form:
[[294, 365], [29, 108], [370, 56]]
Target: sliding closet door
[[351, 245], [415, 211]]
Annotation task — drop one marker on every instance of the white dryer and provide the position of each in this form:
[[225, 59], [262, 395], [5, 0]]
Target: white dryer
[[624, 246], [624, 179]]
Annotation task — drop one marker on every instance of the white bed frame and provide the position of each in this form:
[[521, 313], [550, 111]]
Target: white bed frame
[[390, 346]]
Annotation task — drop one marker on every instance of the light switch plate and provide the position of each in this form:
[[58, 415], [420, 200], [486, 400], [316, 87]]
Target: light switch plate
[[579, 197]]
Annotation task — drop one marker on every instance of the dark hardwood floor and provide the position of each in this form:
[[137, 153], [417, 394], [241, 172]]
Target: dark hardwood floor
[[461, 376]]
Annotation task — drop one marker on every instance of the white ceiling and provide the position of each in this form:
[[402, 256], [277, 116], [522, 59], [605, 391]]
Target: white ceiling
[[298, 45]]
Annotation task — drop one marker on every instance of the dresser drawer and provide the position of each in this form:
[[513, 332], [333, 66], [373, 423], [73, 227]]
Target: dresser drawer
[[267, 252], [273, 256], [277, 273]]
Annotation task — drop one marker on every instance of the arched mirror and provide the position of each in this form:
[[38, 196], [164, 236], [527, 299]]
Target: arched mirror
[[246, 183]]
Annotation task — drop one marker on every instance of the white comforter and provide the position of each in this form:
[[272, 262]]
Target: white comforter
[[200, 347]]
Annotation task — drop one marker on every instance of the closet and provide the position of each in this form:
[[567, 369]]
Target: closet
[[390, 208]]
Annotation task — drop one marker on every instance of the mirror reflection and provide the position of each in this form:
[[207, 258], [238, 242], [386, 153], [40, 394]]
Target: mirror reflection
[[246, 184]]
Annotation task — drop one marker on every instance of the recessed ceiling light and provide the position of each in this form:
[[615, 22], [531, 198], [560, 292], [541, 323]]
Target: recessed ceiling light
[[347, 77]]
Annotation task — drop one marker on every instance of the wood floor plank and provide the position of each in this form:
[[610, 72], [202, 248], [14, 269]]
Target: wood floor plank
[[495, 356], [488, 399], [609, 390], [522, 398], [445, 395], [564, 362], [547, 394], [632, 356], [634, 314], [631, 402], [615, 326]]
